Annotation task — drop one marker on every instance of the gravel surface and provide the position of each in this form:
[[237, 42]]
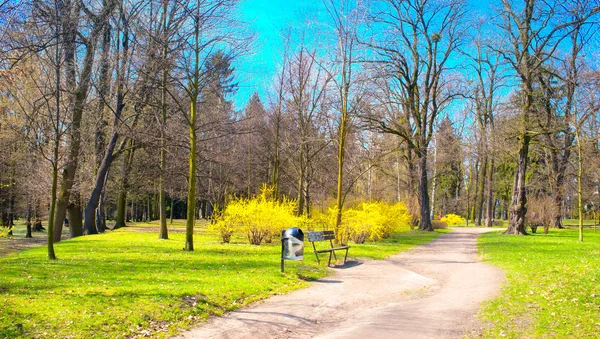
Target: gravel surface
[[431, 291]]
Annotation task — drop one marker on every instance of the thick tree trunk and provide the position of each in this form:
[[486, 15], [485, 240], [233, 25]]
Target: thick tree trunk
[[425, 213], [557, 210], [518, 208], [121, 208], [75, 217]]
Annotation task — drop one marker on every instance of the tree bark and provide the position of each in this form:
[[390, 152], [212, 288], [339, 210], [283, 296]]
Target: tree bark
[[90, 209], [518, 208], [122, 204], [481, 190], [489, 219], [191, 198], [28, 223], [425, 213], [75, 218]]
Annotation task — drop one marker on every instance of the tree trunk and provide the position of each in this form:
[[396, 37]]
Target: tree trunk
[[425, 213], [191, 198], [100, 216], [557, 210], [122, 204], [481, 192], [28, 223], [301, 183], [579, 182], [518, 208], [489, 219], [434, 180], [75, 218], [172, 205], [121, 208], [472, 211], [90, 208]]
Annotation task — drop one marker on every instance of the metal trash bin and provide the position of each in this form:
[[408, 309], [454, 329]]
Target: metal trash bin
[[292, 245]]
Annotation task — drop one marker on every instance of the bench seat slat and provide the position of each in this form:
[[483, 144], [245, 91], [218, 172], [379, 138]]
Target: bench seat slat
[[332, 249]]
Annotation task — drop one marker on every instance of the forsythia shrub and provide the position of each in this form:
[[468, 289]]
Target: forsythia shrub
[[259, 218], [374, 221], [452, 219]]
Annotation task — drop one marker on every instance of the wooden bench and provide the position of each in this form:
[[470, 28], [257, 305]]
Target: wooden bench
[[324, 236]]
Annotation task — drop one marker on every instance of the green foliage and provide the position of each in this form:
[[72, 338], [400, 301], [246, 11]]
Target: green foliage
[[552, 287], [453, 219], [259, 218], [128, 283]]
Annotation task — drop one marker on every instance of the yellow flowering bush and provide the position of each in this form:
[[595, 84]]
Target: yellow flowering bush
[[367, 221], [453, 219], [259, 218], [375, 221]]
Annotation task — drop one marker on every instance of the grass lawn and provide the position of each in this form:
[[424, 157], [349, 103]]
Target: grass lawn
[[552, 288], [128, 283]]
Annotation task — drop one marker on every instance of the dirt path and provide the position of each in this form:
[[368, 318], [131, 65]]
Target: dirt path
[[432, 291]]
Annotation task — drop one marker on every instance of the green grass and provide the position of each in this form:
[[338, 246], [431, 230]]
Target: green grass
[[575, 222], [128, 282], [552, 287]]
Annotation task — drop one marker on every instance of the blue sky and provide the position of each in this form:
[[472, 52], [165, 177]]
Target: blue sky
[[267, 18]]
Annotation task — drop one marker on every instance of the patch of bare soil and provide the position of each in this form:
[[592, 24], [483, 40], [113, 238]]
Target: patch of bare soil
[[17, 244], [432, 291]]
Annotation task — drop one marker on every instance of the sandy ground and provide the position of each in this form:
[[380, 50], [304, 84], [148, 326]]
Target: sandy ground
[[432, 291]]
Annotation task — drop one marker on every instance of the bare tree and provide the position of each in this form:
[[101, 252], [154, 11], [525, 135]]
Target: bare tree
[[534, 32], [417, 40]]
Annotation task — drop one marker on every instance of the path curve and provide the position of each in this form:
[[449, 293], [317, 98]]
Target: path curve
[[431, 291]]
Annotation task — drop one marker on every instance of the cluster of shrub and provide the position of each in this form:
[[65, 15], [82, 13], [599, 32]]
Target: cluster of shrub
[[262, 218], [448, 220]]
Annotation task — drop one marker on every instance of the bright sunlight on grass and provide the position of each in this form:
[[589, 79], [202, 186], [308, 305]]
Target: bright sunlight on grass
[[128, 282], [552, 288]]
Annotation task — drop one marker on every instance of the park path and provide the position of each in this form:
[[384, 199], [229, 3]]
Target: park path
[[431, 291]]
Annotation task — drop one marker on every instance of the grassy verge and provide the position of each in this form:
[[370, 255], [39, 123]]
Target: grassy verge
[[127, 283], [552, 288]]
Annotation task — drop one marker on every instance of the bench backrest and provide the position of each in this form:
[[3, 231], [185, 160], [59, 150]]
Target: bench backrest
[[321, 236]]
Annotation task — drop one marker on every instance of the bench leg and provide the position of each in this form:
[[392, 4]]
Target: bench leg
[[329, 263], [346, 256], [331, 243], [316, 254]]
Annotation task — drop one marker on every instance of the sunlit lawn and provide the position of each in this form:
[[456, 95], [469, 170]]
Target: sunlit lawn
[[128, 282], [552, 288]]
